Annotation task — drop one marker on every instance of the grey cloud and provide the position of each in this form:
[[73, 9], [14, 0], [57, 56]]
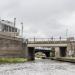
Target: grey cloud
[[41, 16]]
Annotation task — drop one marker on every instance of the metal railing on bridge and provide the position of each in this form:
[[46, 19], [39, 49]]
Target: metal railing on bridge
[[46, 40]]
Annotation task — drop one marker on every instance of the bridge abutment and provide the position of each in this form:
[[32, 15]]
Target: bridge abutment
[[60, 51], [57, 52], [31, 53], [71, 49], [12, 48]]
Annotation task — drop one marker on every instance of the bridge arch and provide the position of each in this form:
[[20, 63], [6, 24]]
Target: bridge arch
[[47, 53], [40, 54]]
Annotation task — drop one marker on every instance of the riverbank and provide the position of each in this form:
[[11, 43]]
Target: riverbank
[[65, 59], [13, 60]]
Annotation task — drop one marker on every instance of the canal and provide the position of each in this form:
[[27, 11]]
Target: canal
[[38, 67]]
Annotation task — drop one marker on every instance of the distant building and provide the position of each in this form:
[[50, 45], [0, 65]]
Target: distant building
[[8, 28]]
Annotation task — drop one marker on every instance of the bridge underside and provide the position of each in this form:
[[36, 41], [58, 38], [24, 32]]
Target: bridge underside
[[55, 52], [32, 51], [46, 52]]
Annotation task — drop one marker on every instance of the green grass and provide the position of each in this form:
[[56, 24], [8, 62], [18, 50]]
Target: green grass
[[13, 60]]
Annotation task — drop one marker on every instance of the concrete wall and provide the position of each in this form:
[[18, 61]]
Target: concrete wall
[[31, 53], [71, 49], [60, 51], [12, 48], [57, 52], [9, 33]]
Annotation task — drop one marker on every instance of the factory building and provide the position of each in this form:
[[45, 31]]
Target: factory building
[[7, 28]]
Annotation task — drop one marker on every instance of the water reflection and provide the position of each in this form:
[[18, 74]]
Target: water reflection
[[38, 67]]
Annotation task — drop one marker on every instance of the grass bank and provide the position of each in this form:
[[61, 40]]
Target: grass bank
[[13, 60]]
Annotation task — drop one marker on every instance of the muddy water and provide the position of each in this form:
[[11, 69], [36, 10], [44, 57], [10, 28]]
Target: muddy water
[[38, 67]]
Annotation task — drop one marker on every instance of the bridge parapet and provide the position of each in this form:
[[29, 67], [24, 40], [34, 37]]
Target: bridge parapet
[[48, 41]]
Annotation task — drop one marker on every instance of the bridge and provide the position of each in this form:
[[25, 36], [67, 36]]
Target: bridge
[[60, 47]]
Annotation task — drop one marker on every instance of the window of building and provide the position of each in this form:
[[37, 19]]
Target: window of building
[[12, 29], [9, 29], [5, 28], [15, 29]]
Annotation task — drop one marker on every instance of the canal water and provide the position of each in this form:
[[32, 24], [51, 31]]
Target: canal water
[[38, 67]]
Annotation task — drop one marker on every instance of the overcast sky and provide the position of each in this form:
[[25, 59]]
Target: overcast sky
[[41, 18]]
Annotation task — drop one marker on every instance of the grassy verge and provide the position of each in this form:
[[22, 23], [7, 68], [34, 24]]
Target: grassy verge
[[13, 60]]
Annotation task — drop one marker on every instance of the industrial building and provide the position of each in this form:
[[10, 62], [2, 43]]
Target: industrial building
[[7, 28]]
